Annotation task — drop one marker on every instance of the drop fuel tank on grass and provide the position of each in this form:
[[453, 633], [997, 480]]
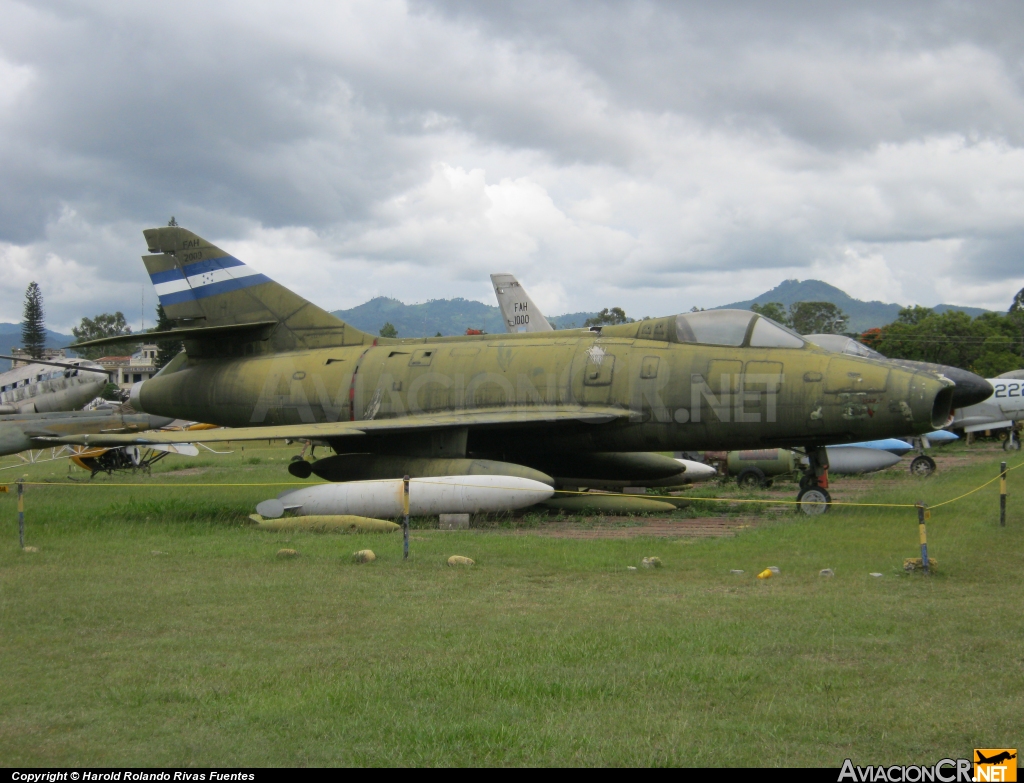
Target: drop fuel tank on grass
[[427, 497]]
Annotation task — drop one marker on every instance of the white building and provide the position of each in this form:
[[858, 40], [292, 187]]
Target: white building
[[128, 370]]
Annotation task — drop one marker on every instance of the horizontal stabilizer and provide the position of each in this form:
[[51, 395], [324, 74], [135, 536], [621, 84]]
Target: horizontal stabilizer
[[345, 429], [192, 333]]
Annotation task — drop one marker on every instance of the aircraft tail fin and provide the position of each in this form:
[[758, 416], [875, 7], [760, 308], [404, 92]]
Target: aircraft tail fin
[[518, 310], [200, 285]]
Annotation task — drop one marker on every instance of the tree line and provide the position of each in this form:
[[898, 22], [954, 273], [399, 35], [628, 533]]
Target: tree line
[[989, 344]]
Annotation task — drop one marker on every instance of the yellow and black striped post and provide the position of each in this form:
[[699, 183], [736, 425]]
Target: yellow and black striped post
[[21, 513], [922, 514], [1002, 494], [405, 524]]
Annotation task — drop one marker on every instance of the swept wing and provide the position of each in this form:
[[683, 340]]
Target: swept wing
[[503, 417]]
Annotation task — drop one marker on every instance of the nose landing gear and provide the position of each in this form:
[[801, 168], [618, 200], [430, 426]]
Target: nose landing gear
[[814, 498]]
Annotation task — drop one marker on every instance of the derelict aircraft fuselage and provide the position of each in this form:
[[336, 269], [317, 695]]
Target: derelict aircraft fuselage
[[261, 359]]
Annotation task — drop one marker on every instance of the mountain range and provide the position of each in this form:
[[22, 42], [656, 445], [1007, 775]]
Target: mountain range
[[454, 316], [447, 316], [863, 315]]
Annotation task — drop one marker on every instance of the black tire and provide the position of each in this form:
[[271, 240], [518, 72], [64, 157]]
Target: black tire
[[1011, 444], [814, 501], [922, 465], [750, 477]]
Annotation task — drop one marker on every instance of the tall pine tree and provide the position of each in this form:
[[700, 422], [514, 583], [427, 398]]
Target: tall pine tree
[[33, 332], [166, 350]]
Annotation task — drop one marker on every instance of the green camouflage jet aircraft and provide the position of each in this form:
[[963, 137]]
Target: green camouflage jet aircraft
[[571, 404], [23, 431]]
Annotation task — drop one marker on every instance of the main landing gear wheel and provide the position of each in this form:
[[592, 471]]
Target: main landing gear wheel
[[922, 465], [814, 501], [1012, 442]]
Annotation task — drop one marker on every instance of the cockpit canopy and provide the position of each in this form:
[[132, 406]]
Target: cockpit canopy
[[840, 343], [733, 328]]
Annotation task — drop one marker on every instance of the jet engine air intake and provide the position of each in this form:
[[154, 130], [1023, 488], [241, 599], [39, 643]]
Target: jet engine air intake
[[942, 407]]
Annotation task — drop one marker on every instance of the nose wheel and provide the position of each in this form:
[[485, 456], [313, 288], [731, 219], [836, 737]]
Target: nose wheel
[[814, 498], [814, 501], [1012, 442]]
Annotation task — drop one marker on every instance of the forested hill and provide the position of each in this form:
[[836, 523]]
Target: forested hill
[[447, 316], [863, 315]]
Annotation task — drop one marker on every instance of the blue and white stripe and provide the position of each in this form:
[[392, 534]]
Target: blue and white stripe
[[203, 279]]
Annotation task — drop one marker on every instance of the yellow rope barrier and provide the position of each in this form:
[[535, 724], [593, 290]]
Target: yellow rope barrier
[[562, 492]]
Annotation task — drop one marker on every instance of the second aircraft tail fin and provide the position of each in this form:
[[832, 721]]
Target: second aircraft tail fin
[[518, 310]]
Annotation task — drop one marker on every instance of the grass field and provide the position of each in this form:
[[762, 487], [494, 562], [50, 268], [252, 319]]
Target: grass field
[[549, 651]]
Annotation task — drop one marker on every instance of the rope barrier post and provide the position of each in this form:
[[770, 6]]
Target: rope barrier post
[[21, 512], [405, 524], [1002, 494], [922, 514]]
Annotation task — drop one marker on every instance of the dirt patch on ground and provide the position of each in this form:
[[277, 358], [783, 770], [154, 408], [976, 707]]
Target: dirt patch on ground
[[189, 472], [633, 527]]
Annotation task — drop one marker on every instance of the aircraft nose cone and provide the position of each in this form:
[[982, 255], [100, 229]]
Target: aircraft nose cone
[[970, 388]]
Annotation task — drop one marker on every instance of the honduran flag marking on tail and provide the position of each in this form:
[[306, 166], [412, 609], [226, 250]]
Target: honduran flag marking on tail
[[204, 278]]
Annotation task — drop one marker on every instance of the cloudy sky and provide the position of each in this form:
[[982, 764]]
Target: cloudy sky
[[649, 155]]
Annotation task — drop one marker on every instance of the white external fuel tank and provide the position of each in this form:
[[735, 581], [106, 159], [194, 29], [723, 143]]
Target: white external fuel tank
[[427, 497], [858, 459]]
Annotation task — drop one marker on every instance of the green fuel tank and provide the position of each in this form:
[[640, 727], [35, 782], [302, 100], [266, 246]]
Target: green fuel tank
[[771, 462]]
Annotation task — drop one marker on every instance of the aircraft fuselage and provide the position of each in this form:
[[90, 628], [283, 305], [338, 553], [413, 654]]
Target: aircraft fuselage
[[680, 396]]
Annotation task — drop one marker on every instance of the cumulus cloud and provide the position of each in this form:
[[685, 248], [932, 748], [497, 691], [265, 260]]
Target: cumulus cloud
[[650, 155]]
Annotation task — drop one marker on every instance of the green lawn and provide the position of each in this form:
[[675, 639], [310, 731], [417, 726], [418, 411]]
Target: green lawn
[[549, 651]]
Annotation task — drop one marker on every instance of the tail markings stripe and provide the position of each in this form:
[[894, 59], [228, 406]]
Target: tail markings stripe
[[204, 279], [198, 268], [214, 288]]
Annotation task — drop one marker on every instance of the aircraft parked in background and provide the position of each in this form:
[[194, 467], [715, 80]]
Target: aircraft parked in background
[[1000, 411], [48, 386], [23, 431]]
